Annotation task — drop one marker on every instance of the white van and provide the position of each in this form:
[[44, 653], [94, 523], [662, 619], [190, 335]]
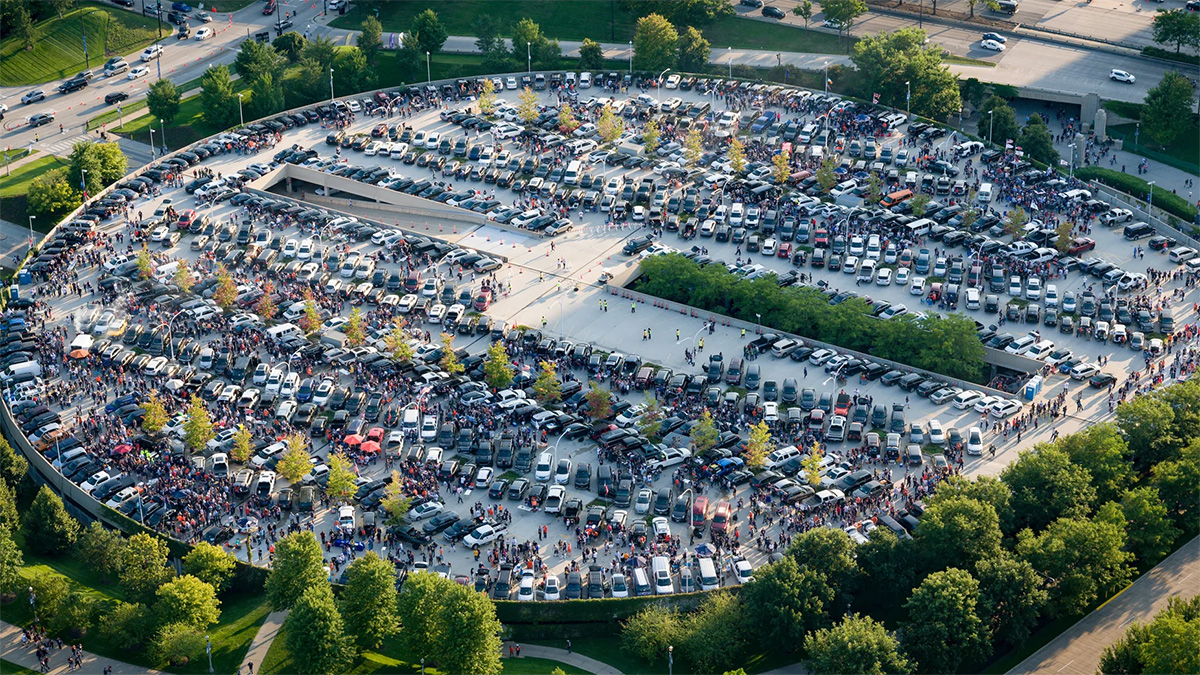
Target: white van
[[25, 368], [283, 331], [737, 213], [919, 228], [807, 133], [984, 196], [1040, 350], [781, 456], [544, 468], [661, 567], [709, 581], [164, 272], [412, 417], [972, 296], [294, 311], [574, 168], [843, 187], [641, 582], [816, 152]]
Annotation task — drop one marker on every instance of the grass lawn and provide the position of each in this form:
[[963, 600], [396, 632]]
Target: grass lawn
[[608, 650], [1183, 153], [966, 60], [216, 6], [189, 125], [600, 21], [17, 153], [58, 46], [110, 116], [392, 658], [10, 668], [18, 180], [241, 617]]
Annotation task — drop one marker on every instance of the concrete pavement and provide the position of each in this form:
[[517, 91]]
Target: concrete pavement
[[562, 656], [13, 651], [267, 632], [1077, 650]]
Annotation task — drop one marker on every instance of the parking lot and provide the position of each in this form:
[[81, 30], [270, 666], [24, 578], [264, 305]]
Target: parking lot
[[460, 434]]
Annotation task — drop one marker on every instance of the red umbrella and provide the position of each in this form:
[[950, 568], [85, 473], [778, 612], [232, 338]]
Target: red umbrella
[[369, 446], [122, 449], [352, 439]]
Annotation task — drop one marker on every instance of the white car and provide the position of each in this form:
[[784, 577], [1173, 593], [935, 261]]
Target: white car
[[983, 404], [204, 33], [562, 472], [992, 45], [554, 498], [1004, 408], [1122, 76], [135, 73], [1059, 356], [642, 505], [966, 399], [671, 457], [551, 589], [483, 535], [740, 568], [425, 510], [484, 478], [937, 435], [510, 83], [152, 52], [974, 441], [917, 287], [1084, 371], [661, 527]]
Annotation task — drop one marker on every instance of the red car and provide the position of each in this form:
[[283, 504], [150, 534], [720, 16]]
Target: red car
[[1080, 245], [269, 9], [785, 250], [483, 300], [379, 131], [185, 219]]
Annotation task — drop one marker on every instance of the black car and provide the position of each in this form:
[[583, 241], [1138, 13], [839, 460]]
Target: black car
[[773, 12]]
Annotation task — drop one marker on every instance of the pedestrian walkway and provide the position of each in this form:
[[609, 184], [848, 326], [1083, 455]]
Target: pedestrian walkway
[[13, 651], [562, 656], [794, 669], [257, 653], [1077, 650]]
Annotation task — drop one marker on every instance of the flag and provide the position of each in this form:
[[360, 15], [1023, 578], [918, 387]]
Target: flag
[[828, 83], [875, 99]]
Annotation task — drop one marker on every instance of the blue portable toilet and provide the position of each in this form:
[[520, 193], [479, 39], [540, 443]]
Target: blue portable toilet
[[1033, 387], [24, 277], [14, 292]]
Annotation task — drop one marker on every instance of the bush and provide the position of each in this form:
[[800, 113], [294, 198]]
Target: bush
[[128, 625], [178, 644], [1182, 57], [1132, 185]]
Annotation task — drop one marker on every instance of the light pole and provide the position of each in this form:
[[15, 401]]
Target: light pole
[[758, 320], [729, 58], [631, 57], [331, 86], [83, 179], [991, 118], [1150, 208], [826, 80], [162, 126], [208, 648], [1071, 166], [31, 217], [1137, 130], [241, 120], [528, 57], [32, 604], [153, 154], [660, 77], [671, 660], [908, 98]]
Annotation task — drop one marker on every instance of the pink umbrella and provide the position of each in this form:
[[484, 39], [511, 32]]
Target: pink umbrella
[[369, 446], [122, 449], [352, 439]]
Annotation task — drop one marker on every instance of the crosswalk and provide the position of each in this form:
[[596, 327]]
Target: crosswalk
[[61, 144]]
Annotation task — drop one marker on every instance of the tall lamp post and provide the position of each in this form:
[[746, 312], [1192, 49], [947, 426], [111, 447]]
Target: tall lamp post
[[83, 179], [529, 57], [660, 77], [1150, 208], [991, 119], [1137, 131], [729, 58], [908, 97], [31, 217], [631, 57], [331, 86], [33, 604], [153, 154], [428, 70], [162, 133], [671, 660], [208, 648], [241, 119]]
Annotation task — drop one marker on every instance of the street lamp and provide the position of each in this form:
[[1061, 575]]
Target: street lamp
[[1071, 166], [153, 154], [31, 217], [908, 98], [208, 648], [826, 81], [241, 120], [729, 58], [428, 70], [631, 57], [991, 118], [528, 57], [1150, 208], [758, 320], [331, 86], [32, 605], [83, 179], [660, 77], [671, 660], [162, 126], [1137, 130]]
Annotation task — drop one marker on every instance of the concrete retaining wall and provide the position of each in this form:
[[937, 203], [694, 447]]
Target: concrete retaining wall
[[1142, 211]]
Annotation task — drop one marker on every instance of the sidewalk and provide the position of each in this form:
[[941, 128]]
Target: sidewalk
[[563, 656], [257, 653], [12, 651], [1077, 650]]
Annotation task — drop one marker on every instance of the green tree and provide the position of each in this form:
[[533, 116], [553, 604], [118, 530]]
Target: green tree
[[8, 508], [1176, 27], [299, 564], [395, 503], [832, 553], [295, 463], [49, 529], [198, 428], [897, 63], [255, 59], [889, 566], [144, 567], [1101, 450], [431, 34], [183, 278], [290, 45], [1012, 596], [986, 489], [188, 600], [527, 105], [1084, 560], [104, 162], [11, 562], [648, 633], [397, 341], [13, 467], [650, 136], [528, 34], [875, 188], [591, 55], [971, 89], [20, 24], [546, 387], [1037, 142], [497, 370], [450, 624], [566, 119], [355, 330], [693, 146], [369, 602], [782, 167], [266, 96], [240, 450], [370, 40], [101, 549], [315, 630], [1045, 485], [998, 121], [654, 43], [217, 98], [1167, 112], [50, 195], [693, 51], [826, 178], [789, 599], [1176, 481], [210, 564], [51, 593], [959, 532], [490, 42], [844, 13], [1151, 427], [162, 99], [449, 360], [178, 644], [1166, 644], [943, 630], [487, 97], [599, 402], [145, 263], [352, 72], [704, 434], [156, 414], [342, 479], [226, 291], [804, 10], [857, 645], [1151, 534], [609, 127], [716, 633], [737, 155], [759, 446], [128, 625]]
